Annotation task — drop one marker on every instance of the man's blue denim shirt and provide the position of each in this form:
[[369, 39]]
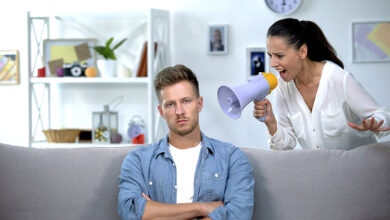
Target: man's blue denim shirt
[[223, 174]]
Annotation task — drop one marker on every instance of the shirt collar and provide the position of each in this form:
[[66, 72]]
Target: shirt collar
[[163, 146]]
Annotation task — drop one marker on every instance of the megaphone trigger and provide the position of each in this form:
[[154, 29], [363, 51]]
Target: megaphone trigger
[[233, 100]]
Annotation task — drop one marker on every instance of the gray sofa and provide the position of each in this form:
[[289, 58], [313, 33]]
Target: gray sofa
[[302, 184]]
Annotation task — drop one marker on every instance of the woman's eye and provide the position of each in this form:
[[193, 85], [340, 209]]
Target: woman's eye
[[276, 55]]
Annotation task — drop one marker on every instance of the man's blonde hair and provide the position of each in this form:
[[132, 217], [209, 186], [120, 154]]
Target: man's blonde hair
[[172, 75]]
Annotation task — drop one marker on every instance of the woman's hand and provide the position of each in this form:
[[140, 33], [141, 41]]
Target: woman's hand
[[369, 124], [264, 107]]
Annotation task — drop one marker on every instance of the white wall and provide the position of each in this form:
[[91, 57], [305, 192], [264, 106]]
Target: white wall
[[248, 22], [14, 102]]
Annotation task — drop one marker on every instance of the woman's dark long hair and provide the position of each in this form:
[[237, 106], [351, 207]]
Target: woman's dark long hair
[[296, 33]]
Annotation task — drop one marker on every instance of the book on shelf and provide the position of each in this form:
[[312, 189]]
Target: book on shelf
[[143, 64]]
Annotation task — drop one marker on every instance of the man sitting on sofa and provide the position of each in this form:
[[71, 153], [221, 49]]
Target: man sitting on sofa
[[187, 174]]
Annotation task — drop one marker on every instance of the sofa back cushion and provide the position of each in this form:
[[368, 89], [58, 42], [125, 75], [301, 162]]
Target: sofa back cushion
[[79, 183], [322, 184]]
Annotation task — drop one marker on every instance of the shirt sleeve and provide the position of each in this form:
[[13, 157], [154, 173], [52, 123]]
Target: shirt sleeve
[[284, 137], [131, 204], [363, 104], [239, 192]]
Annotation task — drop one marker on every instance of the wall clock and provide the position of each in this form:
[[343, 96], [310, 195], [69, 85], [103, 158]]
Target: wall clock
[[283, 7]]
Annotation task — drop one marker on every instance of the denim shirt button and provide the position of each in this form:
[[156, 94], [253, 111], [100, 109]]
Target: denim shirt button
[[216, 175], [175, 186], [150, 183], [173, 164]]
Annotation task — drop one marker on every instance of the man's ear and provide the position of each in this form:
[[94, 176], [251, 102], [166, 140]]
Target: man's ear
[[160, 110], [303, 51], [200, 103]]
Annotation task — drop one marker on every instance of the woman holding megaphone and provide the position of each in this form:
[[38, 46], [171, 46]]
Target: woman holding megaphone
[[316, 102]]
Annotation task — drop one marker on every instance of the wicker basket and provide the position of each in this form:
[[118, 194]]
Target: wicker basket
[[62, 135]]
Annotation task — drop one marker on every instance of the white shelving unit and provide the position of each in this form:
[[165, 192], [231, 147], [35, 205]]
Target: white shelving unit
[[49, 106]]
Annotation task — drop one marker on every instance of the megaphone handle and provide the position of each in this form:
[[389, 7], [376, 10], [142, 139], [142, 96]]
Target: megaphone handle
[[262, 118]]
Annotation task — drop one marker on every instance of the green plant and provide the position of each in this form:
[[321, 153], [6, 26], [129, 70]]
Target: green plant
[[106, 51]]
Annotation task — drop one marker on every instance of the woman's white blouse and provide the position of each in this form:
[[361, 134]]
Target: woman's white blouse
[[340, 98]]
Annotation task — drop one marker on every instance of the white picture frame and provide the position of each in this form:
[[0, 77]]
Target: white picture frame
[[217, 43], [256, 61], [9, 67], [370, 41]]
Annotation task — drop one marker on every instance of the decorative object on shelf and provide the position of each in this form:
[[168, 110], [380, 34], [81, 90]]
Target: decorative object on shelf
[[85, 136], [371, 41], [218, 39], [107, 66], [283, 7], [62, 135], [116, 138], [257, 61], [9, 67], [54, 65], [60, 72], [74, 69], [136, 130], [142, 70], [104, 124], [90, 72], [106, 51], [42, 72], [58, 52], [123, 71]]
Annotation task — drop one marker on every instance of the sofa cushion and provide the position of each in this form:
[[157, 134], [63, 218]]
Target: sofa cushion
[[73, 183], [322, 184]]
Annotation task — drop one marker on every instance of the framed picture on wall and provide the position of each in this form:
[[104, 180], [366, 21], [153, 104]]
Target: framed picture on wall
[[57, 52], [9, 67], [257, 61], [218, 39], [371, 41]]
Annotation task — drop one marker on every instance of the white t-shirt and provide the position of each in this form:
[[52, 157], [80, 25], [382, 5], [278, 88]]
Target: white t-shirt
[[340, 98], [185, 161]]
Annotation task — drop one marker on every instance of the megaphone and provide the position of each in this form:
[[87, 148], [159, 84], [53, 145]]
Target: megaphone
[[234, 100]]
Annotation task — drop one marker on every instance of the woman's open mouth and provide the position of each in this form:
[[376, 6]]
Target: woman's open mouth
[[282, 73]]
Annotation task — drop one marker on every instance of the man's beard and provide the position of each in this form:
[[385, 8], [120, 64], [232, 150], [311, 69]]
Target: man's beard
[[183, 131]]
